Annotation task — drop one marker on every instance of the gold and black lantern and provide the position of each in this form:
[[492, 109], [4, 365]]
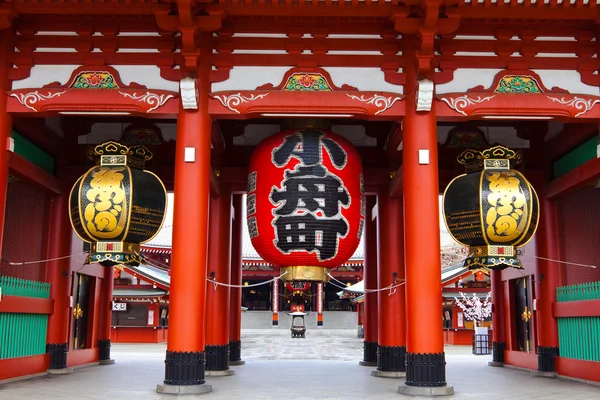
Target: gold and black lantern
[[492, 208], [117, 205]]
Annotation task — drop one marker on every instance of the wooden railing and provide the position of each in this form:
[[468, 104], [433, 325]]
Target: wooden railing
[[578, 313], [23, 329]]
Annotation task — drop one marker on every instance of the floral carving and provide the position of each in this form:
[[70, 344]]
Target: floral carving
[[234, 100], [152, 99], [458, 104], [515, 84], [578, 103], [29, 99], [381, 102], [94, 80], [307, 83]]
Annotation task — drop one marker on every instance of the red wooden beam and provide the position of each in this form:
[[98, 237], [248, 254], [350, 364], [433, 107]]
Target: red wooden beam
[[36, 131], [571, 136], [397, 184], [235, 178], [22, 168], [26, 305], [574, 179], [582, 308], [374, 178]]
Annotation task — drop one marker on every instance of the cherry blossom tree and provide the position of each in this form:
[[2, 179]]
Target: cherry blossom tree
[[473, 308]]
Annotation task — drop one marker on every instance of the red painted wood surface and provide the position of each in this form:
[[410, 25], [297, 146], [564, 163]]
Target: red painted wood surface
[[422, 229], [123, 334], [547, 274], [190, 241], [580, 369], [37, 176], [58, 271], [370, 273], [582, 308], [521, 359], [26, 305], [235, 311], [574, 179], [82, 356], [459, 337], [391, 305], [219, 245], [23, 366], [498, 310], [6, 47]]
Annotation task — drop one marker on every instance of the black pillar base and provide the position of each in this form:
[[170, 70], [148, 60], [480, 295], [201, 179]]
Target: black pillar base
[[235, 350], [104, 349], [184, 368], [391, 358], [426, 369], [58, 355], [319, 323], [370, 352], [275, 323], [498, 351], [546, 357], [217, 357]]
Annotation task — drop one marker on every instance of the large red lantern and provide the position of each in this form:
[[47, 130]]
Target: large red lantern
[[305, 202]]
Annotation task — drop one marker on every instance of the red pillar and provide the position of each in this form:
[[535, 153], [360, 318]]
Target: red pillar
[[184, 364], [105, 310], [391, 339], [217, 296], [235, 309], [499, 343], [320, 305], [275, 304], [58, 273], [6, 49], [370, 282], [546, 282], [425, 358]]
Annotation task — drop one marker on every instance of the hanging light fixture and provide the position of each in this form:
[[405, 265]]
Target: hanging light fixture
[[492, 208]]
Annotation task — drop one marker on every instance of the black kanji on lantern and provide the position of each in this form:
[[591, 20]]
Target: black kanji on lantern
[[309, 233], [306, 147], [311, 188], [310, 197]]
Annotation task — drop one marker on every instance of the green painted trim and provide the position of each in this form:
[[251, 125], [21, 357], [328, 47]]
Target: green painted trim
[[576, 157], [32, 153], [582, 291]]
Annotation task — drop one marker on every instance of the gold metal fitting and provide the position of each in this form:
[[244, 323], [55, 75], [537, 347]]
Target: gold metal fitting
[[304, 273]]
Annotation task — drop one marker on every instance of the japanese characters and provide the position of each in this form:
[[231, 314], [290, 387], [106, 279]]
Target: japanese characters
[[305, 199], [309, 201]]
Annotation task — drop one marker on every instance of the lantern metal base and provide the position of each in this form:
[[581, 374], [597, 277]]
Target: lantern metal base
[[304, 273], [492, 262]]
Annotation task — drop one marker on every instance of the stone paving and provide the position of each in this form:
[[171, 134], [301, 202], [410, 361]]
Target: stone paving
[[322, 366]]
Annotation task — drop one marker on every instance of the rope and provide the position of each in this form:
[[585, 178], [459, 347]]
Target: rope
[[561, 262], [244, 286], [42, 261], [390, 287]]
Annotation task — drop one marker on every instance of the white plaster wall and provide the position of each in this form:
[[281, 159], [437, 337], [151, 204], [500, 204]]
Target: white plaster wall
[[249, 78], [568, 80], [466, 78], [363, 79], [147, 75]]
